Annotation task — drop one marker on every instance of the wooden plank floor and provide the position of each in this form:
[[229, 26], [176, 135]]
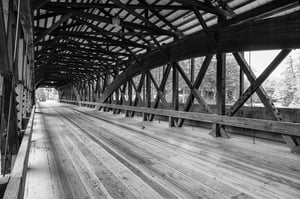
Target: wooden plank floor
[[81, 153]]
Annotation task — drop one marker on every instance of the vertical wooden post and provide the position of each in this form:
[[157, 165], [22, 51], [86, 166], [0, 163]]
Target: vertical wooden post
[[117, 92], [86, 92], [218, 130], [80, 90], [93, 90], [97, 88], [2, 117], [128, 113], [192, 70], [242, 82], [106, 82], [89, 90], [144, 89], [175, 97], [148, 96]]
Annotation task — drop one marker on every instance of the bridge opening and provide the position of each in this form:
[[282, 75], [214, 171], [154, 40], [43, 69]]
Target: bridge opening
[[44, 94]]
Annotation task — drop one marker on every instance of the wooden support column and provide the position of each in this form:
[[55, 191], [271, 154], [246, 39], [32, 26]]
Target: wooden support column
[[98, 87], [242, 79], [117, 93], [3, 111], [175, 96], [76, 94], [87, 90], [219, 130], [88, 95], [148, 96], [80, 90], [82, 87], [83, 91], [192, 70], [90, 90], [107, 82], [122, 100], [93, 91], [128, 113]]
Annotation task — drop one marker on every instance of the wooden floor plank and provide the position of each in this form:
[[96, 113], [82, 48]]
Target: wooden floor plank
[[110, 156], [250, 173], [42, 179]]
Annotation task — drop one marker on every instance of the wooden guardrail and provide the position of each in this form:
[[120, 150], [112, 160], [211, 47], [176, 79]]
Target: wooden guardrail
[[279, 127], [16, 184]]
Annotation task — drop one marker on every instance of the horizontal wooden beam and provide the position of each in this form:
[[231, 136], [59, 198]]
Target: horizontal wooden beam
[[279, 127], [200, 5], [95, 33], [111, 5]]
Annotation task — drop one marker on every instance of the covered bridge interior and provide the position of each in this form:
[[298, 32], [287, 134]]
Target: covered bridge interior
[[123, 125]]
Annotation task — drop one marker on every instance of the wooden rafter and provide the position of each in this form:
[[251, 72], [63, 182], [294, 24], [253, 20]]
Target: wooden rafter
[[53, 27]]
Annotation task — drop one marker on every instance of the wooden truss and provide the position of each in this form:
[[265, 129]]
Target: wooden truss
[[104, 53], [16, 78]]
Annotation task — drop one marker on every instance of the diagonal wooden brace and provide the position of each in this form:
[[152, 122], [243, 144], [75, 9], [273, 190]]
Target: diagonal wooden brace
[[292, 142], [196, 85], [161, 88]]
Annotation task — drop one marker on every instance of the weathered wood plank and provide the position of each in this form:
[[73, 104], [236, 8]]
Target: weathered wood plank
[[286, 128], [42, 177], [15, 187], [191, 163]]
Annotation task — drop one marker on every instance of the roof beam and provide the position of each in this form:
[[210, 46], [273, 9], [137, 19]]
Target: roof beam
[[137, 15], [46, 15], [118, 34], [85, 50], [107, 20], [200, 5], [265, 10], [110, 5], [126, 41], [53, 27], [103, 40], [157, 14], [37, 4]]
